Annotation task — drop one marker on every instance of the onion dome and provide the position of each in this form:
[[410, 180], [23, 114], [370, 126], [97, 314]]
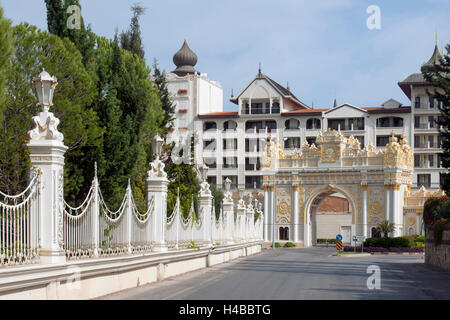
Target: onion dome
[[434, 60], [185, 60]]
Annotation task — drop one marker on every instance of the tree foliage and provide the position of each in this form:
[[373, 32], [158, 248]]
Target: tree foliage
[[131, 39], [33, 51], [5, 52]]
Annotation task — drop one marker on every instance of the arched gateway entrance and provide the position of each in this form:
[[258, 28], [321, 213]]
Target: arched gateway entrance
[[373, 182]]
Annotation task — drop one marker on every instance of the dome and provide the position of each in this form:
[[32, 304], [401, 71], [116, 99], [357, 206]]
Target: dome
[[185, 60]]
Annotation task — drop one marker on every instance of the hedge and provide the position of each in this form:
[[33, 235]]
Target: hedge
[[399, 242], [381, 249]]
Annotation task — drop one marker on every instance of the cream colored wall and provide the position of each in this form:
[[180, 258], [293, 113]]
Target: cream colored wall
[[329, 224], [51, 282]]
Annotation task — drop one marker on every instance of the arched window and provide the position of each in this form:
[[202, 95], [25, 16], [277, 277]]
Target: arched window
[[292, 124], [313, 124], [376, 233], [210, 125], [276, 107], [284, 233], [229, 125]]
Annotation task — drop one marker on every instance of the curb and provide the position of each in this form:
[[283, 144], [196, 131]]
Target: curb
[[351, 255], [397, 253]]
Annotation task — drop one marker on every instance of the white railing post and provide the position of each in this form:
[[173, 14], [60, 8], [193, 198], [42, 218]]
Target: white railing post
[[228, 214], [96, 212], [129, 216], [241, 220], [205, 210], [47, 153], [157, 187]]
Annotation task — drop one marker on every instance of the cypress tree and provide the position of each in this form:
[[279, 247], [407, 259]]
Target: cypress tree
[[439, 77], [131, 39], [5, 54]]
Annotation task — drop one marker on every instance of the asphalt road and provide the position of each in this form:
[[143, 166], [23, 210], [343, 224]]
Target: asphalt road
[[301, 274]]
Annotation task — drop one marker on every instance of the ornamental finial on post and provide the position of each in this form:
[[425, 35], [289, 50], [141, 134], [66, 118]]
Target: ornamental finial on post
[[46, 123], [157, 166]]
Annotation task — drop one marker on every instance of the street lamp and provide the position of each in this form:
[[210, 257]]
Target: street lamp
[[157, 143], [43, 88], [204, 172]]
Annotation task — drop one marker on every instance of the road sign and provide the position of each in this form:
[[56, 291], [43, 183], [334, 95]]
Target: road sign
[[339, 237], [358, 238], [339, 245]]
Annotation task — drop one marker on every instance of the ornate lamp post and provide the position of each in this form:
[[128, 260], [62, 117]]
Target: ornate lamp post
[[47, 154], [43, 88]]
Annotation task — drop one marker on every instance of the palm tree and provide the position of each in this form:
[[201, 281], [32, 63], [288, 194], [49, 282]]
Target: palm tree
[[386, 227]]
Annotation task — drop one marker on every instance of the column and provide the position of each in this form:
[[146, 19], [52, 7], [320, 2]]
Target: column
[[205, 211], [387, 201], [47, 151], [295, 212], [266, 213], [397, 212], [364, 209], [250, 222], [157, 189], [241, 220]]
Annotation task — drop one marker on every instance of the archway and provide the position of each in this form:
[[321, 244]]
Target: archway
[[338, 223]]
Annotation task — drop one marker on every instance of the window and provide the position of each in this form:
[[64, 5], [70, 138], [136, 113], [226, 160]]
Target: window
[[382, 141], [251, 145], [311, 140], [292, 142], [431, 163], [210, 162], [312, 124], [336, 124], [416, 122], [417, 161], [229, 144], [246, 109], [376, 233], [212, 180], [355, 124], [431, 142], [209, 145], [417, 103], [284, 233], [423, 180], [431, 121], [209, 126], [292, 124], [431, 100], [230, 163], [271, 126], [276, 107], [253, 182], [252, 164], [257, 108], [229, 125]]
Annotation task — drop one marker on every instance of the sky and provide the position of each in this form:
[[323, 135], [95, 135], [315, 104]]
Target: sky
[[323, 48]]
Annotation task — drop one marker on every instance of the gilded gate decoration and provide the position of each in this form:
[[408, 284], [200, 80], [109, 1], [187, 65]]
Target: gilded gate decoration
[[283, 205], [336, 164]]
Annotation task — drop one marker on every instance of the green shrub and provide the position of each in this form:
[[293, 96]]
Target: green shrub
[[333, 241], [431, 210], [399, 242], [289, 245], [277, 245], [438, 230], [420, 239]]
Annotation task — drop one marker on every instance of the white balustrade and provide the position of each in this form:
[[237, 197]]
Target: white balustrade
[[19, 225]]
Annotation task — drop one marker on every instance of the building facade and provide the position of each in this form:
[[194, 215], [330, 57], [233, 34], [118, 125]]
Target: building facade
[[232, 144]]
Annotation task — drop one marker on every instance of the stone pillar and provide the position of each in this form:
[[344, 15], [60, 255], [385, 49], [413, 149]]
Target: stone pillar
[[266, 213], [47, 154], [387, 201], [157, 189], [228, 217], [296, 213], [397, 212], [250, 221], [241, 220], [205, 211], [364, 204]]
